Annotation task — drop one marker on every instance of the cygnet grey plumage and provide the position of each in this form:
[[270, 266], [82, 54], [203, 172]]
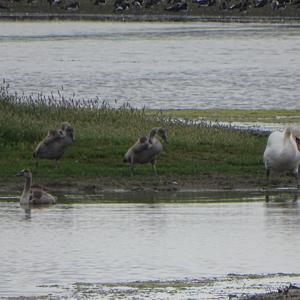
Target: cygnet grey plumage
[[146, 149]]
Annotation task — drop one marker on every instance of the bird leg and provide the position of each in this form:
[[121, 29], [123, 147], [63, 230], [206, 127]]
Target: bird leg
[[268, 175], [267, 196], [268, 181], [297, 181], [131, 169], [131, 164], [296, 175], [154, 167], [56, 163]]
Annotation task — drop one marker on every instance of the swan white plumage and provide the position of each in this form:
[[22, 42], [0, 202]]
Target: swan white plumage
[[282, 152]]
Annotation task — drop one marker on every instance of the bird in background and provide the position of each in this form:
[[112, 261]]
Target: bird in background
[[55, 143]]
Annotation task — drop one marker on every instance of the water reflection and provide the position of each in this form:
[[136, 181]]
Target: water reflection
[[112, 243], [27, 208], [27, 213], [282, 197]]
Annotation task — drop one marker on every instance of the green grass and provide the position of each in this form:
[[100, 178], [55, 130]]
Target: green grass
[[103, 134]]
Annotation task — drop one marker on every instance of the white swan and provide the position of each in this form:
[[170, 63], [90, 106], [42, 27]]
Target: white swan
[[282, 152], [34, 195]]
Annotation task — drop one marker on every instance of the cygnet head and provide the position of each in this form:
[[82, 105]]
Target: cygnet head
[[162, 132], [65, 125], [24, 173], [68, 129]]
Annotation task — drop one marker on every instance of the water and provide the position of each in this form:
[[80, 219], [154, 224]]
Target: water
[[72, 250], [157, 65]]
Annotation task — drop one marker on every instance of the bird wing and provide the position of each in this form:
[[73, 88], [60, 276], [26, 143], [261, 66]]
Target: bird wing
[[139, 147], [39, 196], [36, 193], [53, 137]]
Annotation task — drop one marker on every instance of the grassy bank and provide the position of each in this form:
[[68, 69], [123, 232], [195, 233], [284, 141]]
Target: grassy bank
[[239, 115], [195, 155]]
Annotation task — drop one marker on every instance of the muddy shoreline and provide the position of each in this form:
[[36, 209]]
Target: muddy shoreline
[[205, 188], [289, 292], [97, 291]]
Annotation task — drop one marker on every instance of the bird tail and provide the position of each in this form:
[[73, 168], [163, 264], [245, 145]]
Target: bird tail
[[127, 156], [35, 153]]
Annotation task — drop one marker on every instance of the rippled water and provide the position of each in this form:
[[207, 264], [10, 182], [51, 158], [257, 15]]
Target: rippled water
[[84, 247], [158, 65]]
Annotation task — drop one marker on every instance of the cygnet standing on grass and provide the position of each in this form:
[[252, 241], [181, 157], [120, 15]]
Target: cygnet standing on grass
[[54, 144], [282, 152], [146, 149]]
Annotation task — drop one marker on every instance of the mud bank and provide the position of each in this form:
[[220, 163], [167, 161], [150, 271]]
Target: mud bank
[[218, 189], [229, 287], [288, 292]]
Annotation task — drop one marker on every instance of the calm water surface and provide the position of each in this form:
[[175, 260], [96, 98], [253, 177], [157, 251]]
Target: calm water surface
[[50, 249], [157, 65]]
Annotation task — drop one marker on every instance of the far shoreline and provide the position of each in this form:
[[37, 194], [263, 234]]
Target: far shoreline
[[146, 18]]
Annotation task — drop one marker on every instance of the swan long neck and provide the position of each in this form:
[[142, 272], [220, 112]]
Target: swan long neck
[[27, 185], [152, 133], [287, 135]]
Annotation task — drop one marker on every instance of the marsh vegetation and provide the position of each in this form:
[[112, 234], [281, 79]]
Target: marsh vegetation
[[104, 133]]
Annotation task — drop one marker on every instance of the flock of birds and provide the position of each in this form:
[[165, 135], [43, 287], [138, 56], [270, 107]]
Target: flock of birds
[[225, 5], [282, 153], [120, 6], [145, 150]]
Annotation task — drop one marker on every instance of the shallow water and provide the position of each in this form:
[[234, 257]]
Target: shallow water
[[157, 65], [72, 250]]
